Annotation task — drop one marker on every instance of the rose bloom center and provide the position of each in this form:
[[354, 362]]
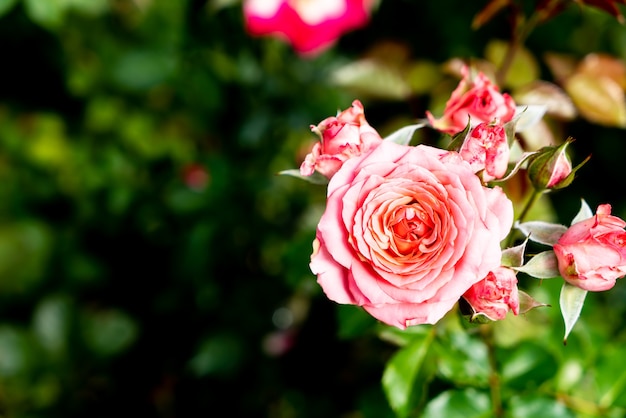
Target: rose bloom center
[[409, 224]]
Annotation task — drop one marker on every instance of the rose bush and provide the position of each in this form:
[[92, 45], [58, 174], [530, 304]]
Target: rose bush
[[591, 254], [495, 295], [341, 137], [309, 26], [407, 230], [475, 100]]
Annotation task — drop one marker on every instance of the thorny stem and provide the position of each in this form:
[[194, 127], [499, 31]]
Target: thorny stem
[[486, 333]]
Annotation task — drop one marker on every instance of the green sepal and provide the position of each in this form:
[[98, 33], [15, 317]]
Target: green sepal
[[457, 140], [542, 232], [542, 266], [404, 135]]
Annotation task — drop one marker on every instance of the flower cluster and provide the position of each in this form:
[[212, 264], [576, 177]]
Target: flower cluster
[[410, 230]]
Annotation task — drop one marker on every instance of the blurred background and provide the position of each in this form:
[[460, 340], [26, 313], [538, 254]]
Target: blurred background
[[152, 263]]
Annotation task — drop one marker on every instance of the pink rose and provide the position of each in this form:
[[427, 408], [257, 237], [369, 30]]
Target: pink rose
[[487, 149], [495, 295], [342, 137], [479, 100], [406, 232], [309, 26], [592, 253]]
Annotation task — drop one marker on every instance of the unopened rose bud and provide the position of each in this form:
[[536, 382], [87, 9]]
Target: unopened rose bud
[[551, 168], [591, 254]]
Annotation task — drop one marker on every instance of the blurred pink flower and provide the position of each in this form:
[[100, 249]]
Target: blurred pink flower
[[310, 26]]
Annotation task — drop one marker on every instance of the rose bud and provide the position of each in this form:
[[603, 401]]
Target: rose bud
[[486, 148], [495, 295], [551, 168], [342, 137], [477, 100], [591, 254]]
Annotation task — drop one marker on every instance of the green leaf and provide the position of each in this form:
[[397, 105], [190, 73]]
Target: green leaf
[[403, 337], [404, 135], [536, 406], [47, 13], [542, 266], [466, 403], [90, 7], [18, 354], [542, 232], [108, 332], [315, 178], [422, 76], [571, 301], [6, 5], [406, 375], [218, 355], [611, 381], [52, 323], [463, 359], [525, 117], [141, 69], [526, 365], [25, 248], [599, 100], [372, 78]]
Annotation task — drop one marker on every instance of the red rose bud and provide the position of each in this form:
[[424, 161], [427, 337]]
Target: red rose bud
[[551, 167], [477, 99]]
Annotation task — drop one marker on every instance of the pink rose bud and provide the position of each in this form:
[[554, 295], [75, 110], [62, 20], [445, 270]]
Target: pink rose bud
[[495, 295], [592, 253], [309, 26], [551, 168], [475, 100], [486, 148], [342, 137]]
